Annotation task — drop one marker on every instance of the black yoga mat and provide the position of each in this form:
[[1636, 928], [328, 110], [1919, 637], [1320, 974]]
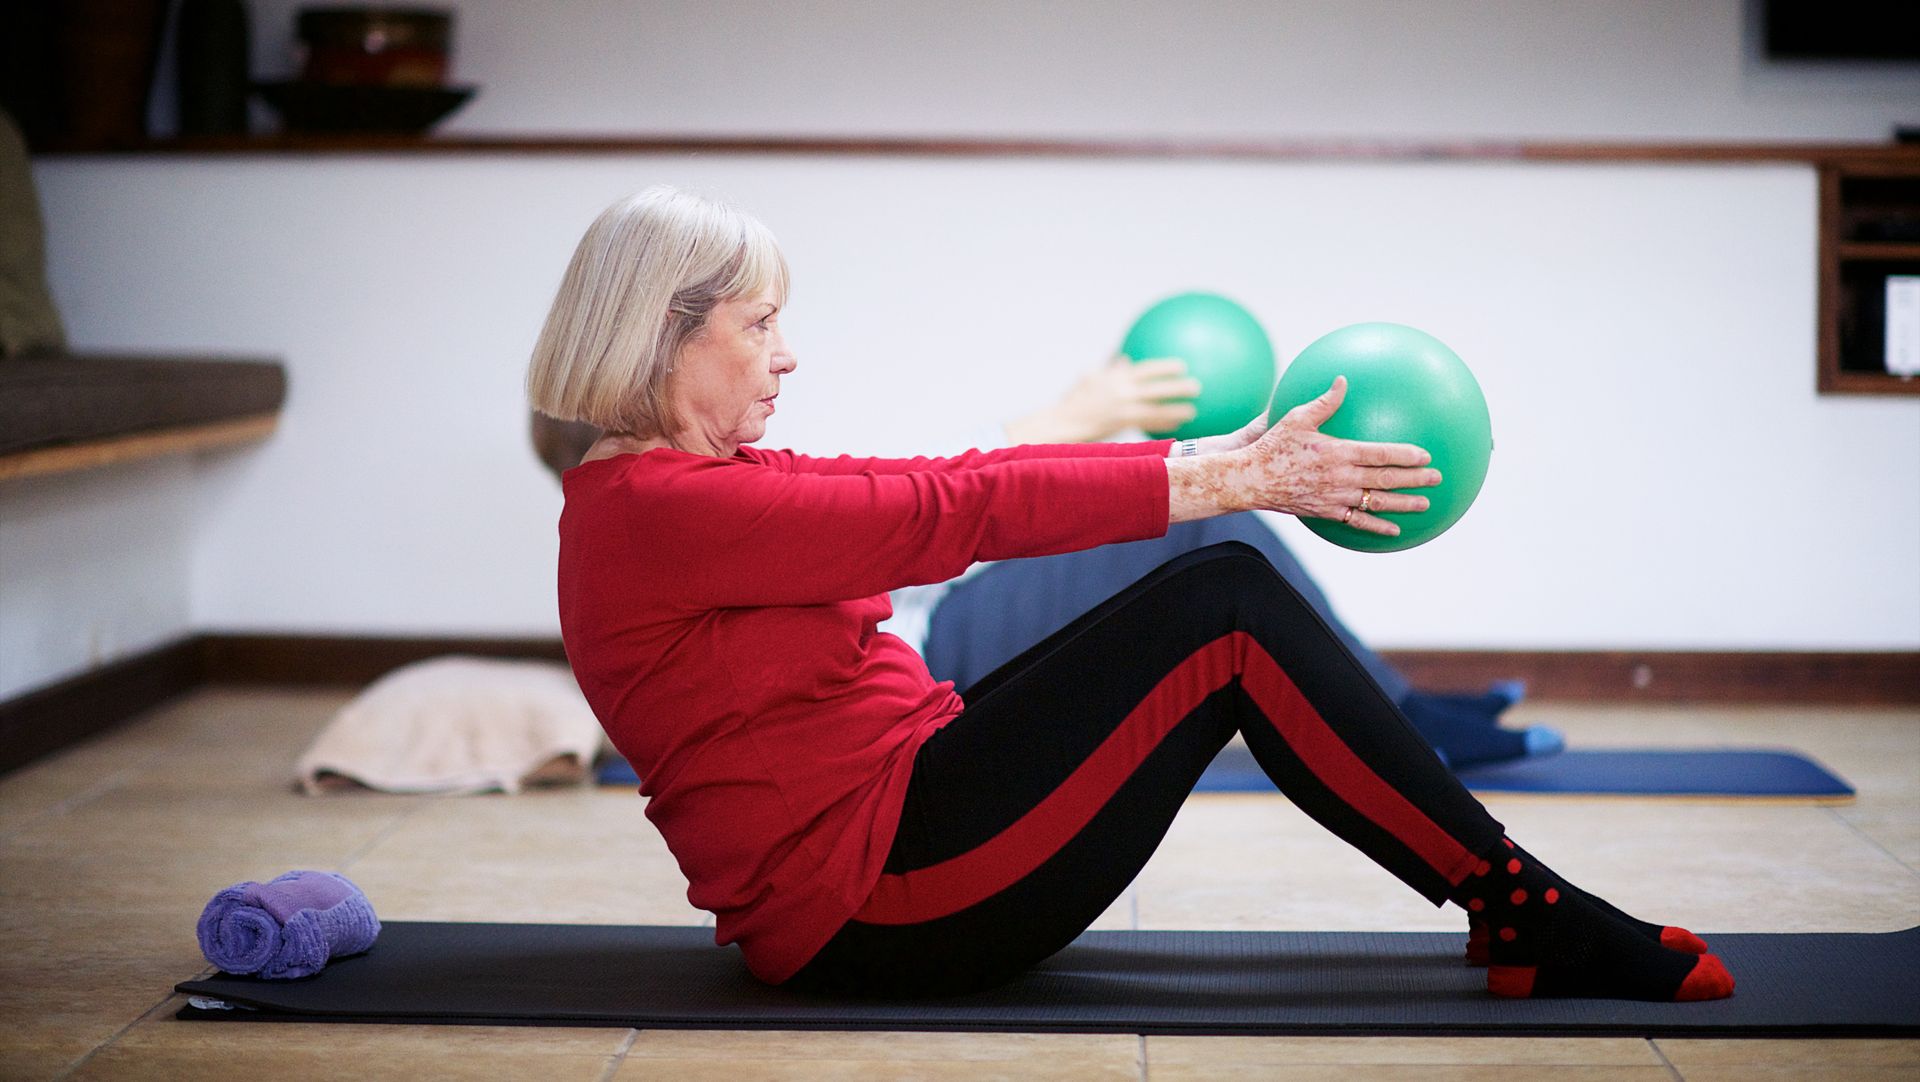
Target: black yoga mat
[[1707, 772], [1274, 983]]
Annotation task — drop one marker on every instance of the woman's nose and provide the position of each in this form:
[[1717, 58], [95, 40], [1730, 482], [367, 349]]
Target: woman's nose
[[783, 359]]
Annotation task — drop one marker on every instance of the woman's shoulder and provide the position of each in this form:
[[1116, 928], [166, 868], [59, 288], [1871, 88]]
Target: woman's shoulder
[[642, 464], [661, 477]]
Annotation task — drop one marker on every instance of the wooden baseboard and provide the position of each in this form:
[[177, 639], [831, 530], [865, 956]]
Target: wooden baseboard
[[344, 660], [1835, 678], [45, 721], [48, 720]]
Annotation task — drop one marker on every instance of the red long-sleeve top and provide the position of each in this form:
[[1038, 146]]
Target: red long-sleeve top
[[719, 614]]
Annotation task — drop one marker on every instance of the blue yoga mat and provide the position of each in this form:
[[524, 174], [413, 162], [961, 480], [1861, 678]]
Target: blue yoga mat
[[1712, 772], [1716, 772]]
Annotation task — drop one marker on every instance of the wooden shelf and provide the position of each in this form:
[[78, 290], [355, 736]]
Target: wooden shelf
[[1865, 154], [91, 454], [1868, 251], [1870, 383], [1860, 200]]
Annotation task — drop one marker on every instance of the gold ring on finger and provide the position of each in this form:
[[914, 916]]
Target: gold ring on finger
[[1346, 518], [1366, 499]]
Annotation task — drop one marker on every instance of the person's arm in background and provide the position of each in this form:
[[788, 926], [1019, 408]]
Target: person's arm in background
[[1121, 396], [1118, 397], [1151, 395]]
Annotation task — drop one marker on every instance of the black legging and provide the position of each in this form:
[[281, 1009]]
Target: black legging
[[1031, 812]]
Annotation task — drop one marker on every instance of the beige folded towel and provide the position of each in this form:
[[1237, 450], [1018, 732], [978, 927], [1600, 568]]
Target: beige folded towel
[[458, 725]]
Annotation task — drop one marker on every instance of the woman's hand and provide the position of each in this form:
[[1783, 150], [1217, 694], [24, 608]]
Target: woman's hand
[[1296, 469], [1154, 395]]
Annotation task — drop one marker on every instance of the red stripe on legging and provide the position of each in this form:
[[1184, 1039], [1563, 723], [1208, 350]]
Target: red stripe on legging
[[976, 875], [1339, 769]]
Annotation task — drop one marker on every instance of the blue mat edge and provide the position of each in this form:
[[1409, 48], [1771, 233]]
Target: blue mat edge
[[1820, 781]]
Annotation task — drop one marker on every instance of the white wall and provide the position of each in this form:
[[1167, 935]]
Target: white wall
[[1665, 475], [93, 566], [1607, 69], [400, 495]]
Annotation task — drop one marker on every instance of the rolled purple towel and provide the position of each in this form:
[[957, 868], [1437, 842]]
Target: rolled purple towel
[[287, 928]]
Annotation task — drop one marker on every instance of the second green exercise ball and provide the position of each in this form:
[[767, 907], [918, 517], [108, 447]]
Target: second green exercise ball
[[1403, 386], [1225, 349]]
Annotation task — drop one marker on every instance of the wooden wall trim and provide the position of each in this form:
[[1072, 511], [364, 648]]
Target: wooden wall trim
[[112, 450], [1234, 149], [1677, 676], [45, 721], [344, 660], [42, 722]]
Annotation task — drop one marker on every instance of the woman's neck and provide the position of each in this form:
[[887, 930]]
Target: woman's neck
[[620, 443]]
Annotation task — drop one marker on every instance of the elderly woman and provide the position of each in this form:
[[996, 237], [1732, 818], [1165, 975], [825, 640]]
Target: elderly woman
[[855, 826], [968, 627]]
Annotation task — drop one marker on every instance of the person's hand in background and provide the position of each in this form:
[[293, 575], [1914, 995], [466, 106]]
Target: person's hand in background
[[1151, 395]]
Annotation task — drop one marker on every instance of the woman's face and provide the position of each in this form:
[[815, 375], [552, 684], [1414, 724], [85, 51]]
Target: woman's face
[[727, 376]]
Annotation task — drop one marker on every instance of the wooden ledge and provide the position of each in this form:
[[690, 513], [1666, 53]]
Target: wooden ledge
[[89, 454], [987, 147]]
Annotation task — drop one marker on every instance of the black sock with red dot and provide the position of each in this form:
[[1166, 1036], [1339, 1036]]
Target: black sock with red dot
[[1667, 935], [1548, 939]]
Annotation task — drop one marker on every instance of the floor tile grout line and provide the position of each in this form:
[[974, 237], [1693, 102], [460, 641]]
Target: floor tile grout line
[[119, 1033], [386, 832], [619, 1056], [117, 780], [1871, 840], [1664, 1061], [1141, 1056], [86, 796]]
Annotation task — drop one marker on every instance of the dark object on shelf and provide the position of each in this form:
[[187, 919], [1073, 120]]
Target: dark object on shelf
[[1842, 30], [212, 82], [318, 107], [108, 50], [358, 46], [30, 81], [1892, 225]]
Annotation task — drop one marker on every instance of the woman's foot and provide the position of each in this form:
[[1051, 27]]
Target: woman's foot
[[1670, 936], [1465, 729], [1547, 938], [1543, 740]]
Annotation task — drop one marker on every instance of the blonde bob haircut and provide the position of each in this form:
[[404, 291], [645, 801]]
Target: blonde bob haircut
[[640, 286]]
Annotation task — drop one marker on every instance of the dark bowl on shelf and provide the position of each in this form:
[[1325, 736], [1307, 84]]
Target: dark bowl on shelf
[[329, 107]]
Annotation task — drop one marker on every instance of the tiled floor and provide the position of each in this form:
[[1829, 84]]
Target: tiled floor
[[107, 853]]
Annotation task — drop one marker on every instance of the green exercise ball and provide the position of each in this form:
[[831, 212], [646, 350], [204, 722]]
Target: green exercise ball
[[1225, 349], [1403, 386]]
